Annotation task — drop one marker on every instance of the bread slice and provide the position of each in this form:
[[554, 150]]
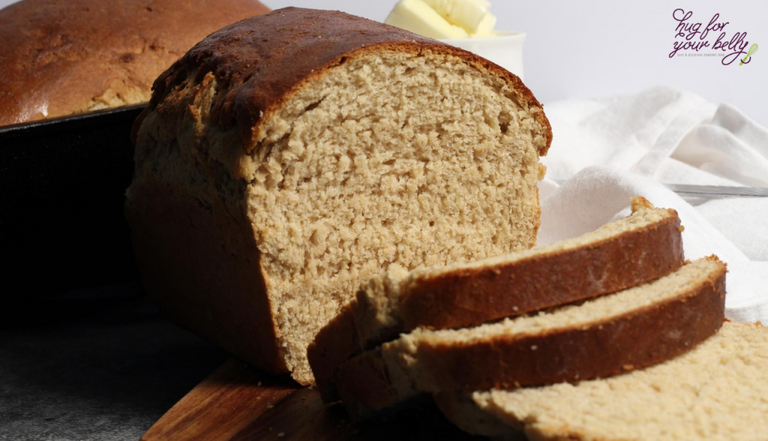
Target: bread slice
[[641, 247], [605, 336], [66, 57], [289, 157], [714, 392]]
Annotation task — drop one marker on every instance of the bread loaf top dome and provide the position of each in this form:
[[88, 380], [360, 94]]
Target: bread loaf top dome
[[263, 60]]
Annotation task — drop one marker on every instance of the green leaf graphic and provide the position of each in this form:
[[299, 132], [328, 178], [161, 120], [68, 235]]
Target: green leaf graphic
[[752, 50]]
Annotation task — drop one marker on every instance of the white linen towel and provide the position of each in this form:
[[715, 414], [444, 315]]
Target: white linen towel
[[614, 148]]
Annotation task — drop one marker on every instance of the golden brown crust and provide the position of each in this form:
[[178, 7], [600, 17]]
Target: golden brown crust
[[476, 295], [634, 340], [65, 57], [262, 61]]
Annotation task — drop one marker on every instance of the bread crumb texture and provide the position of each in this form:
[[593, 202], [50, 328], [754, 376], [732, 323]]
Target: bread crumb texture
[[390, 157], [714, 392], [371, 170]]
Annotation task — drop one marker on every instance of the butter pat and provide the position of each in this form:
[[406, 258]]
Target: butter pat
[[444, 19], [418, 17], [467, 14], [485, 28]]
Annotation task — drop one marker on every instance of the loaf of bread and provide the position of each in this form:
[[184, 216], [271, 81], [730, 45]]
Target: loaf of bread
[[74, 56], [631, 329], [715, 392], [641, 247], [289, 157]]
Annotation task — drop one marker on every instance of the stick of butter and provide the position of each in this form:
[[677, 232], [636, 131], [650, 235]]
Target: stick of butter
[[444, 19]]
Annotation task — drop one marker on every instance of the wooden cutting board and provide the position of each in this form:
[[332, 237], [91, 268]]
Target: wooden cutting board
[[237, 402]]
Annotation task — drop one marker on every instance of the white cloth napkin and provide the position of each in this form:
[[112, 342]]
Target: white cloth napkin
[[614, 148]]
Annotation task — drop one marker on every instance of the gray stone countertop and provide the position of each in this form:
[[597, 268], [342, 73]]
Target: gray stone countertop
[[100, 364]]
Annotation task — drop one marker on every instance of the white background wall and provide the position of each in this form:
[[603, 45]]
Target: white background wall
[[590, 48]]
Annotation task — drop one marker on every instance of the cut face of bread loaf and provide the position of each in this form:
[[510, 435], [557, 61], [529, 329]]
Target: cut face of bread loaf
[[641, 247], [289, 157], [65, 57], [715, 392], [615, 333]]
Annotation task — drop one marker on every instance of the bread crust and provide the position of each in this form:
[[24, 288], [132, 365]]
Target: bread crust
[[74, 56], [292, 47], [194, 278], [472, 296], [634, 340]]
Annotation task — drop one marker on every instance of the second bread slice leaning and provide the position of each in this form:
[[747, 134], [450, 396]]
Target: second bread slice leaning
[[716, 392], [634, 328]]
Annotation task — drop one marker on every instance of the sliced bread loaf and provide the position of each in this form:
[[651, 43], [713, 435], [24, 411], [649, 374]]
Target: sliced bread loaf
[[289, 157], [620, 332], [641, 247], [715, 392]]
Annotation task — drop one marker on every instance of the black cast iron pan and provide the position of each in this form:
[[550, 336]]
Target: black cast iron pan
[[62, 186]]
